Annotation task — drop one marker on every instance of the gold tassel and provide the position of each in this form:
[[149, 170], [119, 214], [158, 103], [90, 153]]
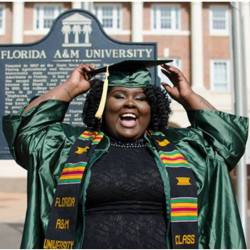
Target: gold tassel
[[101, 107]]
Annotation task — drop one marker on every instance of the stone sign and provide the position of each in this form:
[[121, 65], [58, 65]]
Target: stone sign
[[76, 37]]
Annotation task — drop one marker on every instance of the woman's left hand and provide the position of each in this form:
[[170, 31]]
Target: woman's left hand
[[181, 90]]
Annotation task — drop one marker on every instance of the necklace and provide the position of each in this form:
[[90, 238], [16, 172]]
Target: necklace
[[140, 143]]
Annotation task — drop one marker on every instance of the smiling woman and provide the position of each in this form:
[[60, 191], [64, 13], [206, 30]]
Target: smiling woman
[[127, 113], [127, 180]]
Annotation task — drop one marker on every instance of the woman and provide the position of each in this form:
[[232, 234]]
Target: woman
[[128, 181]]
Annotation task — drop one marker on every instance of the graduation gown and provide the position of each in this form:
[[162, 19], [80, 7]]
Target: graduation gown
[[213, 144]]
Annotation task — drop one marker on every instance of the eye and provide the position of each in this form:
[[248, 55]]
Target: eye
[[141, 97], [119, 96]]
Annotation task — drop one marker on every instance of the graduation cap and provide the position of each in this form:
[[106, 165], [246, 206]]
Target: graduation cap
[[129, 74]]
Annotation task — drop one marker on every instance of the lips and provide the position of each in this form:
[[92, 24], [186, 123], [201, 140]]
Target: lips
[[128, 120]]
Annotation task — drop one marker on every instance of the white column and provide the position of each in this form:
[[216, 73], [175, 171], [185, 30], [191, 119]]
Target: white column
[[137, 21], [17, 28], [85, 5], [76, 4], [245, 9], [197, 45], [89, 6], [239, 50]]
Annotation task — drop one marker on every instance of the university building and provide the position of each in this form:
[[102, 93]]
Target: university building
[[196, 35]]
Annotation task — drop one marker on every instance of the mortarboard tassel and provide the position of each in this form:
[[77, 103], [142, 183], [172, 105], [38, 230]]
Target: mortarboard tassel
[[101, 107]]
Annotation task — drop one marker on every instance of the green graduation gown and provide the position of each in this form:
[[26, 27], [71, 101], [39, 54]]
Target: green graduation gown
[[40, 142]]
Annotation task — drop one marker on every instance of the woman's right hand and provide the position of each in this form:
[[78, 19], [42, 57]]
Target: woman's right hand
[[78, 82]]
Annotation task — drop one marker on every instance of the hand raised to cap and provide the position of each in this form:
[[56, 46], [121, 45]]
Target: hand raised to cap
[[78, 81], [181, 90]]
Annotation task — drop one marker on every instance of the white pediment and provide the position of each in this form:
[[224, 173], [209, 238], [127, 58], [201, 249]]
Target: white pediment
[[76, 19]]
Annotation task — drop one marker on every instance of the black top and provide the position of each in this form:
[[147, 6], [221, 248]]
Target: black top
[[125, 200]]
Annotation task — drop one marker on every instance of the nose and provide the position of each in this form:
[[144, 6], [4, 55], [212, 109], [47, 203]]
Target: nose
[[130, 103]]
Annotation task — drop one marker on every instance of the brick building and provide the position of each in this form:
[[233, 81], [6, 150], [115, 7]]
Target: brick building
[[196, 35]]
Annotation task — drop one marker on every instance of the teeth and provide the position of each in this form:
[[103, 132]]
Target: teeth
[[128, 115]]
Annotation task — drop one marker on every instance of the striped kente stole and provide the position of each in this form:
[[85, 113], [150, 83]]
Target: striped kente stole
[[63, 217], [183, 199], [183, 194]]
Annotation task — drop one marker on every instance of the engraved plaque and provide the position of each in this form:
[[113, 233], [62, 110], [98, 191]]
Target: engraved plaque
[[28, 70]]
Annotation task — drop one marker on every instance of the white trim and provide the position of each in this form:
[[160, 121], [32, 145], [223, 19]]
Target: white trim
[[167, 32], [218, 32], [109, 32], [212, 87], [118, 32], [10, 169], [34, 32], [57, 6], [118, 16], [165, 53], [158, 8], [2, 29]]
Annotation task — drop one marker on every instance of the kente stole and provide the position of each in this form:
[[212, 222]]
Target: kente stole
[[183, 208], [183, 194]]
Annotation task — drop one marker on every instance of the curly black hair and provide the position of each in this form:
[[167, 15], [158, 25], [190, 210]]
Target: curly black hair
[[156, 97]]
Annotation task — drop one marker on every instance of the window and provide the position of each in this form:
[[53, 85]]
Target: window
[[219, 18], [110, 15], [166, 17], [220, 75], [45, 14], [2, 19]]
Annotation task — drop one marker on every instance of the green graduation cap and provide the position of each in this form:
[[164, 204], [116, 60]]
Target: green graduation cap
[[129, 74]]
